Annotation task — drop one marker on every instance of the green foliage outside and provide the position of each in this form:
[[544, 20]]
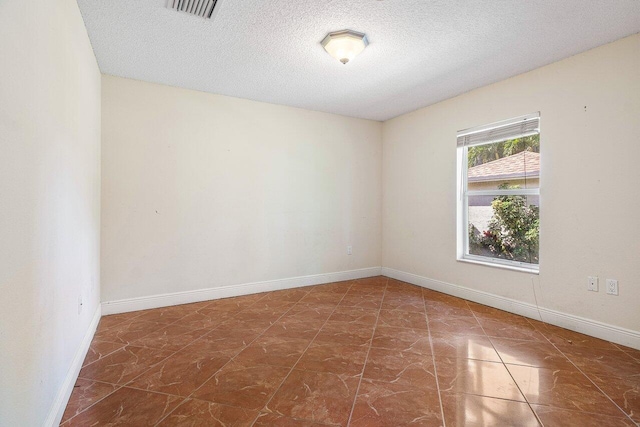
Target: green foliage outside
[[513, 231], [489, 152]]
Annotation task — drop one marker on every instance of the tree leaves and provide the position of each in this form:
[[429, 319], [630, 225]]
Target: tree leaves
[[480, 154], [513, 232]]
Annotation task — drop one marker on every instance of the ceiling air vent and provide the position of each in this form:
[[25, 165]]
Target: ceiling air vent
[[206, 9]]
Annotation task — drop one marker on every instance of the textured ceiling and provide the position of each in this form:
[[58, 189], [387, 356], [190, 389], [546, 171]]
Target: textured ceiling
[[420, 52]]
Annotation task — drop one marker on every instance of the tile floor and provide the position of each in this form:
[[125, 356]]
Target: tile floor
[[369, 352]]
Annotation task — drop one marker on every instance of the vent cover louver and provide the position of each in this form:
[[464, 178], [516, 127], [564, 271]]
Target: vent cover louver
[[203, 8]]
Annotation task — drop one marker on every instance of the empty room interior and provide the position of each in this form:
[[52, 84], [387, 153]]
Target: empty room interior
[[320, 213]]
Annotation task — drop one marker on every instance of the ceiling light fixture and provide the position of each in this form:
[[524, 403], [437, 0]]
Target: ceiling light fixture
[[345, 45]]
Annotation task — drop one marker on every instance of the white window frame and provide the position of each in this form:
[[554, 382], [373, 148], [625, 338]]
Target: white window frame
[[495, 132]]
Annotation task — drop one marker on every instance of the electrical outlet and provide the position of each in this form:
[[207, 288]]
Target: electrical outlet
[[349, 250], [612, 286], [592, 283], [80, 304]]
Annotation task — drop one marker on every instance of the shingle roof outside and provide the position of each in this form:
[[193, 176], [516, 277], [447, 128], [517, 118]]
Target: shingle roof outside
[[525, 164]]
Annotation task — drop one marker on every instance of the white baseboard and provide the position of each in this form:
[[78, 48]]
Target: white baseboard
[[186, 297], [590, 327], [60, 404]]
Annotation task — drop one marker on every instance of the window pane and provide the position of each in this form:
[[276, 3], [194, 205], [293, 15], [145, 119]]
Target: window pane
[[505, 227], [507, 164]]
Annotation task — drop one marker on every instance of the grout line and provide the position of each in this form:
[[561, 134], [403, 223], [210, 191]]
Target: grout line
[[128, 319], [174, 322], [232, 357], [305, 350], [102, 357], [118, 387], [366, 359], [297, 303], [593, 382], [156, 392], [304, 421], [433, 359], [619, 346], [542, 367], [535, 414], [307, 292], [206, 401], [524, 396], [583, 373], [154, 364]]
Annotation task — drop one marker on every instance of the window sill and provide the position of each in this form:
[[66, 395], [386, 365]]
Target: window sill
[[503, 266]]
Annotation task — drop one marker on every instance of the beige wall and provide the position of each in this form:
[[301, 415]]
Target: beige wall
[[589, 106], [202, 191], [49, 201]]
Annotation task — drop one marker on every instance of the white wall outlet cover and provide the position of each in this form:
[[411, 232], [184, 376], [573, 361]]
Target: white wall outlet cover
[[349, 250], [612, 286], [592, 283]]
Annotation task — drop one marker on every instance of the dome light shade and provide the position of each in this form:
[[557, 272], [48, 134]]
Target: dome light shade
[[345, 45]]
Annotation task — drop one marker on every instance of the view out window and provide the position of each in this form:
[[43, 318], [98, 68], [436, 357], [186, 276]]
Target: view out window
[[499, 203]]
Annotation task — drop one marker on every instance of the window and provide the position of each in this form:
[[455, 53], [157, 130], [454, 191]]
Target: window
[[499, 200]]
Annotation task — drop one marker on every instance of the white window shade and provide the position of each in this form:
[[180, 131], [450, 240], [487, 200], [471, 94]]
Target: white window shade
[[509, 129]]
